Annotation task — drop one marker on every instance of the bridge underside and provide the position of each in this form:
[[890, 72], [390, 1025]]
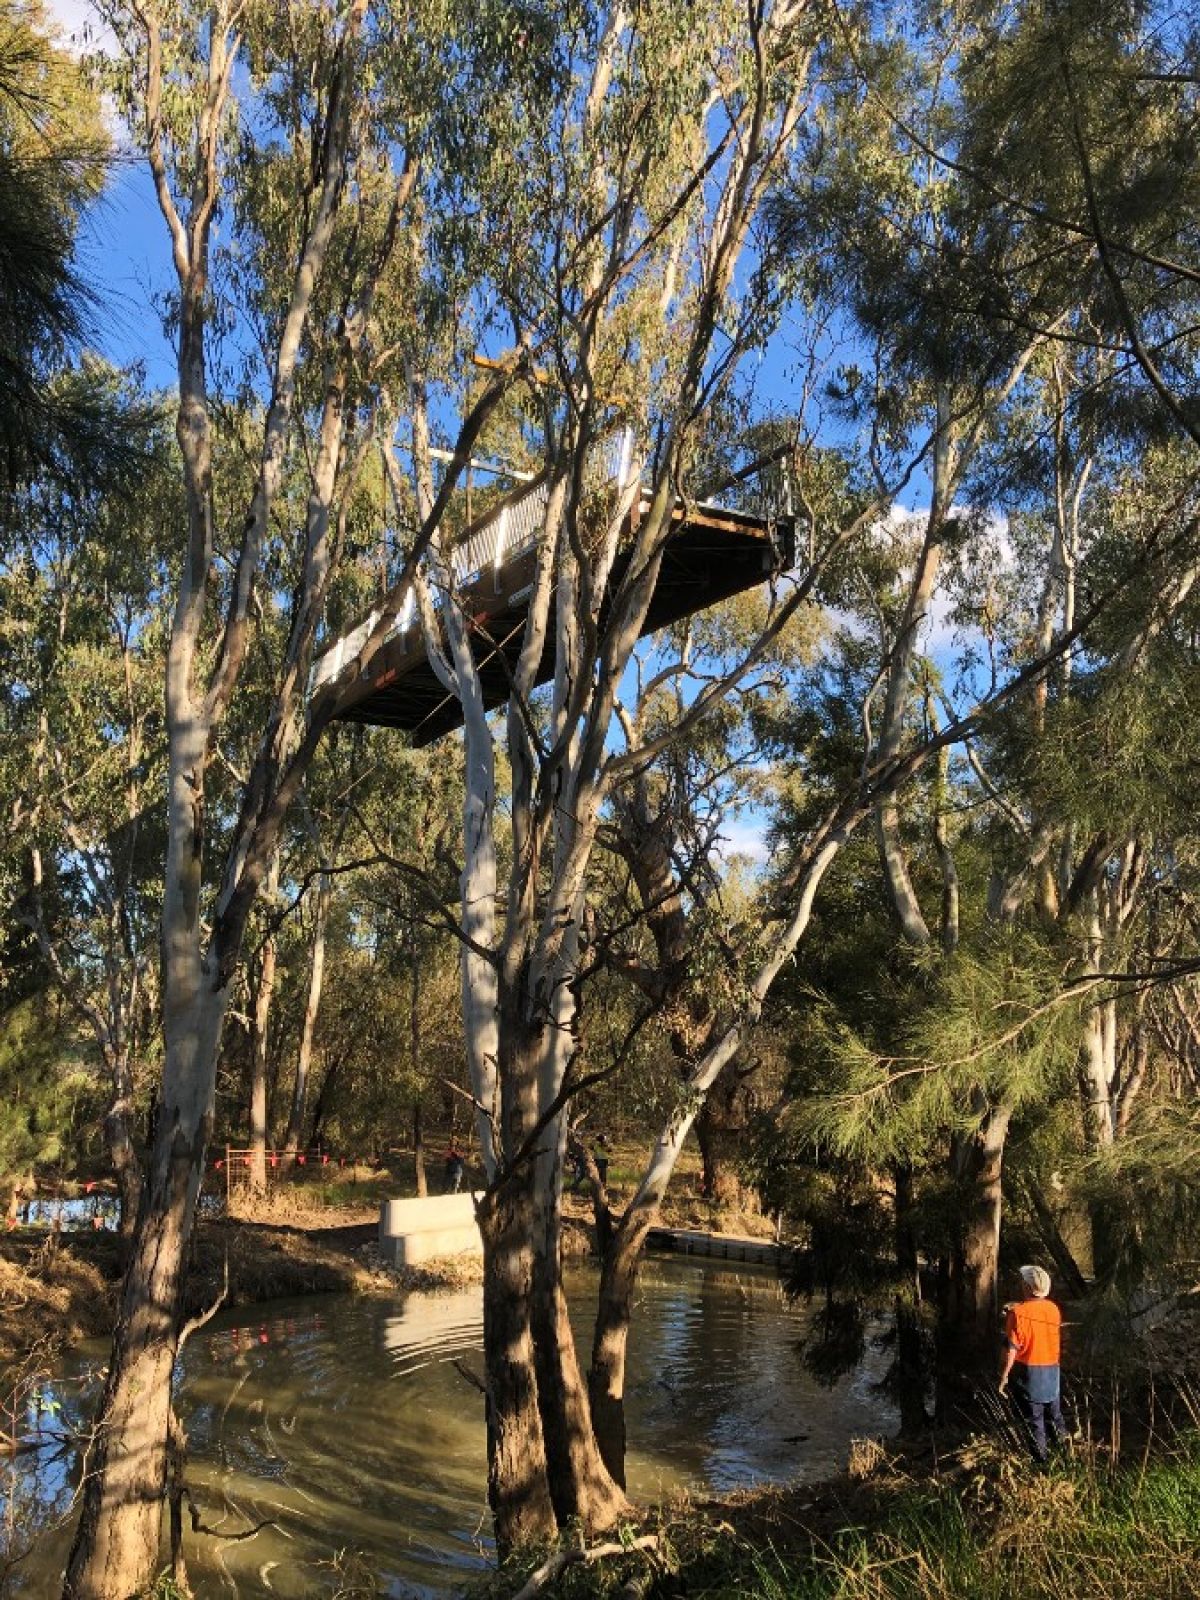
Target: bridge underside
[[712, 555]]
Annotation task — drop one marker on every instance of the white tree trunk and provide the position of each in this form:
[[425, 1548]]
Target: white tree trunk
[[312, 1010]]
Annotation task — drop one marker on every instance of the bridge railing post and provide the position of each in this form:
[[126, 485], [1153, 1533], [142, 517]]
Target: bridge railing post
[[501, 543]]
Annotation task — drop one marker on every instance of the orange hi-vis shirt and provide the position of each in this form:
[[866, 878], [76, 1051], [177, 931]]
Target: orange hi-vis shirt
[[1034, 1330]]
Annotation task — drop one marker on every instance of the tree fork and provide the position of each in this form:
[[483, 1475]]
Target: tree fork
[[582, 1487]]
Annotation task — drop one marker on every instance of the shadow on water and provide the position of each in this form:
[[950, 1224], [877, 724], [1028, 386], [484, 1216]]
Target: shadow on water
[[345, 1421]]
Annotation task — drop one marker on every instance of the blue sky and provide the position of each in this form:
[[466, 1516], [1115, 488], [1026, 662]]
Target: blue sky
[[123, 250], [125, 253]]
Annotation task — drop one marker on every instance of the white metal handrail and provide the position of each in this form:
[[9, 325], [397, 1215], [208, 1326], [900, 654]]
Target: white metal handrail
[[515, 525]]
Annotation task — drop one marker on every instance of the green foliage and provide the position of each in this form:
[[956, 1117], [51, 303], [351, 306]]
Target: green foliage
[[48, 1097], [993, 1020], [62, 420], [986, 1529]]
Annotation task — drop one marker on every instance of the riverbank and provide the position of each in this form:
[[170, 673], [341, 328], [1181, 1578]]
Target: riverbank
[[982, 1523], [311, 1236], [56, 1290]]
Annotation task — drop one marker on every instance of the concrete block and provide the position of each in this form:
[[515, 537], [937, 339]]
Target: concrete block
[[411, 1231]]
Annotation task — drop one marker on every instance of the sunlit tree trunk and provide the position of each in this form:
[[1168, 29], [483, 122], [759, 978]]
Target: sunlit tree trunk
[[414, 1048], [623, 1242], [116, 1543], [582, 1489], [418, 1133], [976, 1264], [518, 1486], [455, 668], [259, 1037], [115, 1549], [312, 1010]]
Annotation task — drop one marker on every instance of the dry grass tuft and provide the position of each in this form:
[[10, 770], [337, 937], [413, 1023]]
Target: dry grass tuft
[[49, 1295], [446, 1272]]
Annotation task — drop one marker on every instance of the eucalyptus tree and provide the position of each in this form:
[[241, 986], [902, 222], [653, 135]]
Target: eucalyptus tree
[[674, 828], [678, 925], [1099, 775], [269, 121], [522, 970], [967, 309], [632, 252]]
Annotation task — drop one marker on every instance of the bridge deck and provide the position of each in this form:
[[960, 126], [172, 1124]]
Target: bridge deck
[[711, 554]]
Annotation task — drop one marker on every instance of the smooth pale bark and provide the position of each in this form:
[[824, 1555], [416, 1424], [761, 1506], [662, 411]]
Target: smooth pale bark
[[1098, 1068], [258, 1067], [116, 1544], [478, 880], [263, 996], [502, 1067], [115, 1550], [477, 889], [559, 790], [1107, 1094], [419, 1177], [581, 1487], [976, 1259], [900, 685], [954, 448], [414, 1062], [312, 1010], [582, 1490], [1098, 1082]]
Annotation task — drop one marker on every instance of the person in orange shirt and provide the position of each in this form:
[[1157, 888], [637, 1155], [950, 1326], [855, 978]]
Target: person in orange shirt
[[1033, 1342]]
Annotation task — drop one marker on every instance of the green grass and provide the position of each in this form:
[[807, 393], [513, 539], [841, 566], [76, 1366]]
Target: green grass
[[991, 1529]]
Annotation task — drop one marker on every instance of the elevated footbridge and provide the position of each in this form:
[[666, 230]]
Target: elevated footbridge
[[714, 550]]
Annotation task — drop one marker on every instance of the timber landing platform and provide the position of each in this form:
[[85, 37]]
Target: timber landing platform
[[712, 551], [720, 1246]]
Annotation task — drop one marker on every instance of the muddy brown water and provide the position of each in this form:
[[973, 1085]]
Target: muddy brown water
[[343, 1420]]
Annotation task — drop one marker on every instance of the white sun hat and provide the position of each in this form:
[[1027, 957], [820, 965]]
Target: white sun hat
[[1036, 1280]]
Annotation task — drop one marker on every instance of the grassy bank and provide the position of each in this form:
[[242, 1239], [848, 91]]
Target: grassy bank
[[56, 1290], [983, 1525]]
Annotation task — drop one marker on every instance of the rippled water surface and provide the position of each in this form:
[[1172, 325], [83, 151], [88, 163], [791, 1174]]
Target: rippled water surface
[[344, 1420]]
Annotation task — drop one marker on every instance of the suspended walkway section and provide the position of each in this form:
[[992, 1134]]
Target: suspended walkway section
[[714, 550]]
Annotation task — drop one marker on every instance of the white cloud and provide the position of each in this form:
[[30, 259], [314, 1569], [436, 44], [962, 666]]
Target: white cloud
[[744, 835], [81, 28]]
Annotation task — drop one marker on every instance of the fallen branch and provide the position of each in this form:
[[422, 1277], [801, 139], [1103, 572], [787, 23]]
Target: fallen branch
[[558, 1563], [194, 1324], [473, 1378], [200, 1526]]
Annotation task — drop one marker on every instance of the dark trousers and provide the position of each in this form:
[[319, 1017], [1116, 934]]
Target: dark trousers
[[1035, 1414]]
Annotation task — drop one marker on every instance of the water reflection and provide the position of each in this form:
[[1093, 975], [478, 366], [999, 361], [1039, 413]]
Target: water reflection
[[347, 1424]]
